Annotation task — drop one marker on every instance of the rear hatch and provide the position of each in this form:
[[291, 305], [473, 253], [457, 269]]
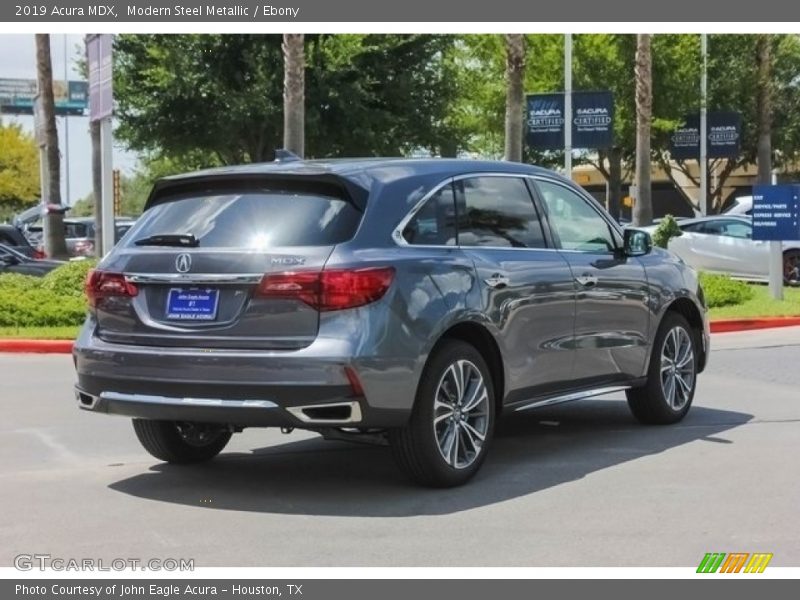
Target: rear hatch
[[223, 267]]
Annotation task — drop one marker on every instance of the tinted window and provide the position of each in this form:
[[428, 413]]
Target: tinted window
[[435, 223], [77, 230], [576, 224], [255, 220], [498, 211]]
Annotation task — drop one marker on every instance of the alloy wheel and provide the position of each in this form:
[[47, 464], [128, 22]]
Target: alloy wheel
[[677, 368], [461, 414]]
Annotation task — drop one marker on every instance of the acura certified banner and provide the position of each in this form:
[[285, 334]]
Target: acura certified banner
[[724, 133], [592, 120]]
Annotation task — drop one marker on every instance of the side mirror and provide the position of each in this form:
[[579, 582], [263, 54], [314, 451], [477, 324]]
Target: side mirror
[[636, 242]]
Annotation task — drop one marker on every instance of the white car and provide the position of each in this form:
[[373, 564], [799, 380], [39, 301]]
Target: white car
[[724, 244], [743, 205]]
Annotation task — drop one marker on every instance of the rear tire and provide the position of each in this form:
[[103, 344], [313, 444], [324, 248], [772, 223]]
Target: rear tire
[[671, 377], [450, 430], [180, 442], [791, 267]]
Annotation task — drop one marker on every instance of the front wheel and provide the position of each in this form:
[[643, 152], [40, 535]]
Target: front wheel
[[671, 377], [450, 429], [181, 442]]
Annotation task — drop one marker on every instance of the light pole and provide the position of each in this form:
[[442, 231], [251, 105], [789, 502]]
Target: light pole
[[703, 196], [568, 105]]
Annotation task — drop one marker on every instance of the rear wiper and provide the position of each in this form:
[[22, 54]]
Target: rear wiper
[[186, 240]]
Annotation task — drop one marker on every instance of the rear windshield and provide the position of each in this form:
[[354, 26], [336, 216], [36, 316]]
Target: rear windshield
[[256, 220]]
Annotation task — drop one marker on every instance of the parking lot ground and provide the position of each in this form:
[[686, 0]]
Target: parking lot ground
[[578, 484]]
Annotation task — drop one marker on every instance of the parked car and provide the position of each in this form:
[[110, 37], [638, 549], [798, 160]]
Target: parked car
[[79, 233], [12, 237], [743, 205], [724, 244], [396, 301], [13, 261]]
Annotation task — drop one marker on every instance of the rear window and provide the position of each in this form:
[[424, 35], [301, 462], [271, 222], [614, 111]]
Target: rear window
[[256, 220]]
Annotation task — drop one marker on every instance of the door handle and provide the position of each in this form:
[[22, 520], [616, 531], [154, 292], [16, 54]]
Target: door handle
[[587, 280], [497, 281]]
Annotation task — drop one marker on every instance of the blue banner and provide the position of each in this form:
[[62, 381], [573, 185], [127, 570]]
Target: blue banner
[[724, 136], [592, 120], [545, 121], [775, 212]]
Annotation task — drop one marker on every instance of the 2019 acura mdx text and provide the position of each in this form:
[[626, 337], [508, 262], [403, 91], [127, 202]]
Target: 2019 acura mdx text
[[400, 301]]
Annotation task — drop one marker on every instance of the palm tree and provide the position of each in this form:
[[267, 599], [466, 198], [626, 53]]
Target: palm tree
[[643, 207], [294, 113], [764, 104], [54, 243], [515, 73]]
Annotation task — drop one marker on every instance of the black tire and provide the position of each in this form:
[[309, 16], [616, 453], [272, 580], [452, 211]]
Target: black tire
[[180, 443], [650, 403], [416, 447], [791, 267]]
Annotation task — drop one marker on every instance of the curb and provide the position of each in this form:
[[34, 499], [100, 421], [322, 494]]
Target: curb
[[732, 325], [721, 326], [37, 346]]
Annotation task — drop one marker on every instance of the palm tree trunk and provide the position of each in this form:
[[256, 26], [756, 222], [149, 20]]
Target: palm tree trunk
[[643, 206], [515, 73], [55, 246], [294, 93], [764, 103]]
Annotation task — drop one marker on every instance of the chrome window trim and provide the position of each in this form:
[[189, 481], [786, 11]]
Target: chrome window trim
[[397, 233], [216, 278]]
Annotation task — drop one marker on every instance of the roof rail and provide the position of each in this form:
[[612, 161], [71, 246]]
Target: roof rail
[[283, 155]]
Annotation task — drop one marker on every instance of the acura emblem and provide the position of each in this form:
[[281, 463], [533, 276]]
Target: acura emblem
[[183, 263]]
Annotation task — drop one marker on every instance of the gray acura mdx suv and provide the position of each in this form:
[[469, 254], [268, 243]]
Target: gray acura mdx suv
[[381, 300]]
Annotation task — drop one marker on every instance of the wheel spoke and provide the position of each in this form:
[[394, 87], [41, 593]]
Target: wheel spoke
[[442, 417], [454, 448], [472, 433], [478, 394]]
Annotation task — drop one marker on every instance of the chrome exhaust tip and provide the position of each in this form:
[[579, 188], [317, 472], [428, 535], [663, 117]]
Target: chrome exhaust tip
[[338, 413]]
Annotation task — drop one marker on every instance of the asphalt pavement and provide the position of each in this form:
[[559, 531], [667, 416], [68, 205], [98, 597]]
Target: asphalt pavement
[[579, 484]]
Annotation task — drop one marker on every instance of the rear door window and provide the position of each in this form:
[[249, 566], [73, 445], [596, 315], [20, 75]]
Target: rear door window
[[497, 212], [435, 223], [255, 220]]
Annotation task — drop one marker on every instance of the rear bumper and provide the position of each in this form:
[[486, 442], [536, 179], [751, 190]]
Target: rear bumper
[[244, 413], [307, 388]]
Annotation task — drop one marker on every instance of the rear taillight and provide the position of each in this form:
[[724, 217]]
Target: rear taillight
[[331, 289], [38, 254], [102, 284]]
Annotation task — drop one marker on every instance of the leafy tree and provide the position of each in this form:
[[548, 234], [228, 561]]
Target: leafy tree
[[19, 170], [221, 96]]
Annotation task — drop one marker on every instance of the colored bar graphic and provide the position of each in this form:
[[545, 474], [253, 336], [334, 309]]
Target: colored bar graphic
[[711, 562], [758, 562], [734, 562]]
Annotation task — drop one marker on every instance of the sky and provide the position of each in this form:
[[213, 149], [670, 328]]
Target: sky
[[18, 61]]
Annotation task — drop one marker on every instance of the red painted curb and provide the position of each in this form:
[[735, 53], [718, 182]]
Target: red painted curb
[[38, 346], [731, 325]]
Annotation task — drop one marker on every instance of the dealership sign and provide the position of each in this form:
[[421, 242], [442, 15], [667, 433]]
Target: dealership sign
[[724, 136], [592, 120], [776, 212]]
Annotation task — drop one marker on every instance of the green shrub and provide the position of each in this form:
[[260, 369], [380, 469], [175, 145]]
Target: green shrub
[[721, 290], [666, 230], [55, 300], [67, 280]]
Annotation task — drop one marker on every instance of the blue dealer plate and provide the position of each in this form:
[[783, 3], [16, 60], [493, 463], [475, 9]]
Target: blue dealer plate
[[192, 304]]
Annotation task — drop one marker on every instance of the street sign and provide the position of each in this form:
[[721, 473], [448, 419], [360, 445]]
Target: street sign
[[17, 96], [775, 212], [101, 99]]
